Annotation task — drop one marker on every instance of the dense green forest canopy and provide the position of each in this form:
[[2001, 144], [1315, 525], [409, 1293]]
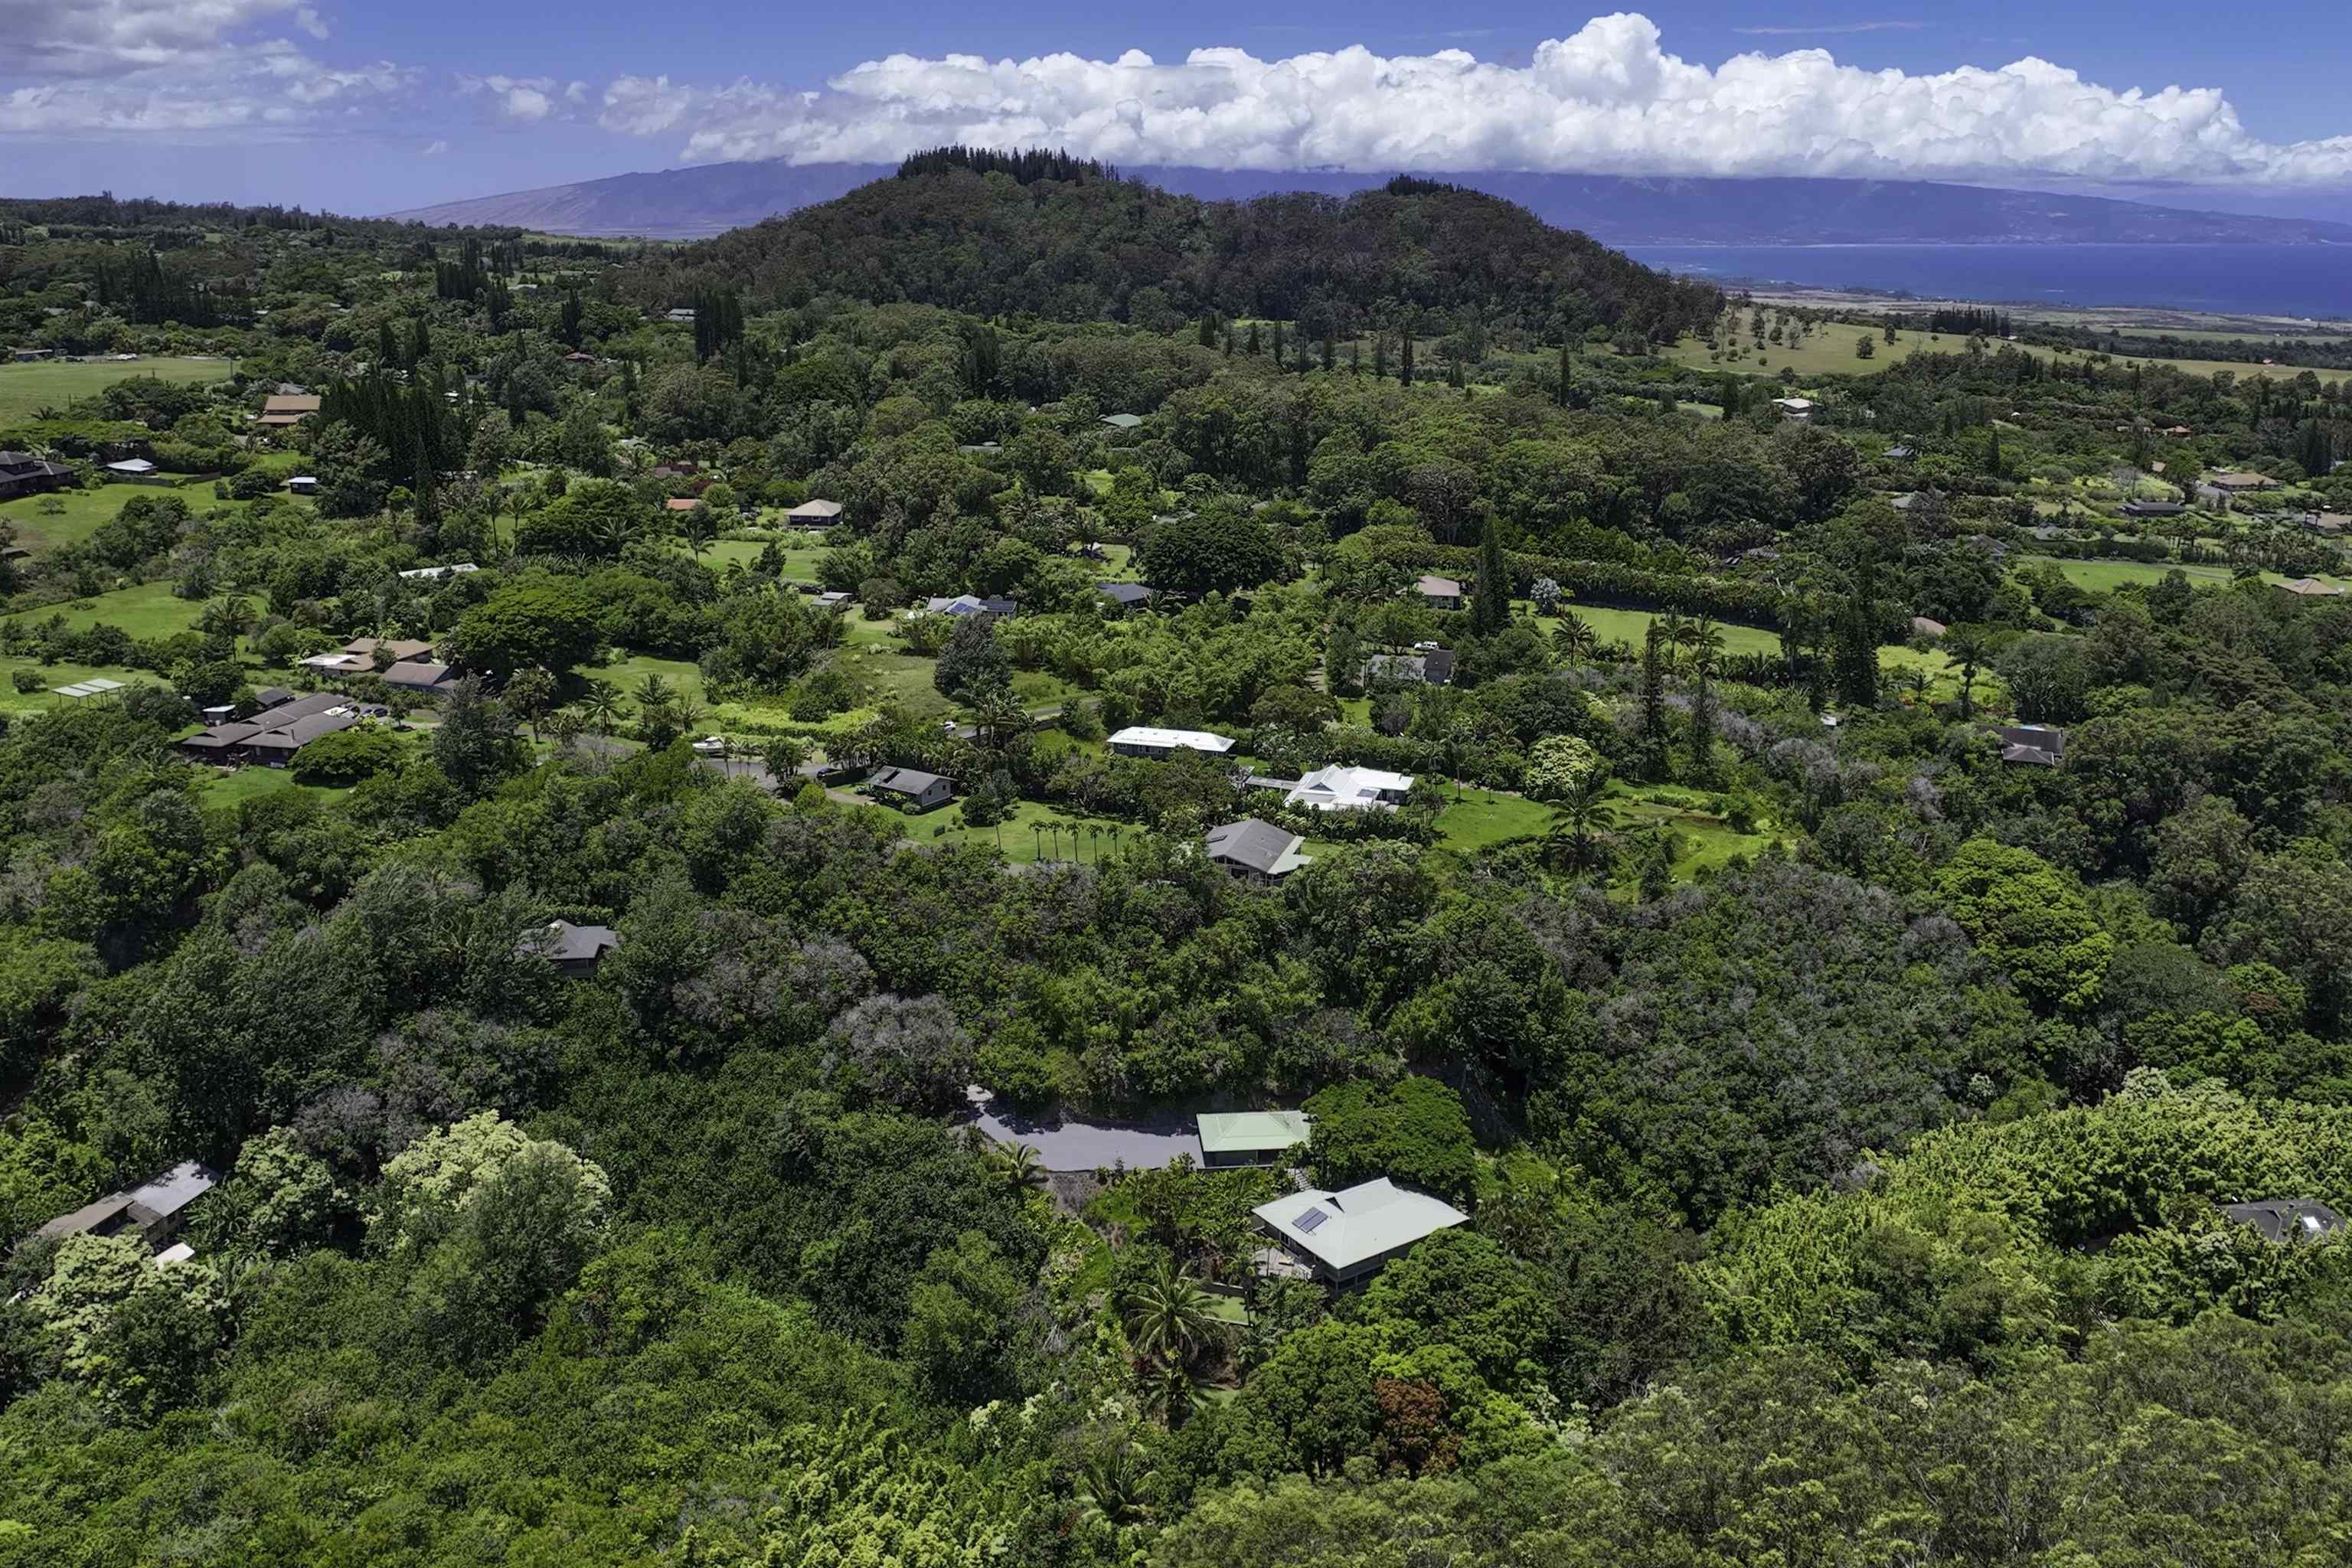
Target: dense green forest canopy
[[1869, 888], [1077, 244]]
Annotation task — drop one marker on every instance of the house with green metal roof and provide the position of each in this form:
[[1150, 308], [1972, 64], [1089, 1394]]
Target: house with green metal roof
[[1348, 1235], [1250, 1137]]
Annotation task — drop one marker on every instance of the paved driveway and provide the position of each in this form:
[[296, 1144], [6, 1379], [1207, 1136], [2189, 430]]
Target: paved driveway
[[1068, 1143]]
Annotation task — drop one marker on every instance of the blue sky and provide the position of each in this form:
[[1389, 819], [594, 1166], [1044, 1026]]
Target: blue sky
[[371, 108]]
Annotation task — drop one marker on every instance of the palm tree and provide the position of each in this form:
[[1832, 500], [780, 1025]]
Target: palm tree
[[1112, 1489], [1169, 1316], [1018, 1167], [1704, 640], [689, 713], [1583, 812], [1968, 649], [602, 704], [654, 691], [1574, 638], [227, 615]]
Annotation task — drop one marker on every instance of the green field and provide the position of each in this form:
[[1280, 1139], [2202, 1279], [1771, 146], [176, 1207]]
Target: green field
[[234, 788], [26, 389], [39, 530], [2105, 577], [1829, 351], [1630, 626], [148, 610], [15, 702]]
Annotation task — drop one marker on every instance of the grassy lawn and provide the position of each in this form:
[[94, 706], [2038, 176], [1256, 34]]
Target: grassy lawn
[[1829, 351], [1632, 626], [26, 389], [39, 532], [16, 703], [149, 610], [1020, 835], [2105, 577], [234, 789]]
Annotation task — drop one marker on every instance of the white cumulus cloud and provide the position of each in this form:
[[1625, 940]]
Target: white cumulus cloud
[[523, 98], [1608, 100], [105, 38]]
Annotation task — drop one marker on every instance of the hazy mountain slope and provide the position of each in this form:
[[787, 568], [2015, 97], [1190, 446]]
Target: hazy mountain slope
[[694, 203], [1088, 248]]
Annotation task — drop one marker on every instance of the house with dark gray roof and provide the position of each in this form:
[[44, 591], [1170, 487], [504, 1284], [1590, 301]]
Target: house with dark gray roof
[[2036, 745], [272, 736], [1127, 595], [574, 951], [911, 789], [22, 474], [2286, 1221], [1259, 851], [420, 676], [1427, 665]]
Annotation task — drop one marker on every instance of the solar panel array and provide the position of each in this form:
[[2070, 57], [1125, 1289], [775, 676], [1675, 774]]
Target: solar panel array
[[1310, 1219]]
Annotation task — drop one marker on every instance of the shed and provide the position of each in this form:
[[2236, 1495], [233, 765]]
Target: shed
[[1251, 1137]]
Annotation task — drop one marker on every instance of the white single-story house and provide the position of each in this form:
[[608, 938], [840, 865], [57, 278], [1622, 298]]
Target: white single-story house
[[1152, 742], [1251, 1137], [1348, 1235], [1339, 787], [1798, 408], [432, 574]]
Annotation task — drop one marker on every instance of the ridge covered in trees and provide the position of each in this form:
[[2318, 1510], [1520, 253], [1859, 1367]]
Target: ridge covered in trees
[[1068, 240]]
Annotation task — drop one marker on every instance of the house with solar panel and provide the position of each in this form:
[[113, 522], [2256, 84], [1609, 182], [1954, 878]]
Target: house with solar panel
[[1231, 1138], [1348, 1235]]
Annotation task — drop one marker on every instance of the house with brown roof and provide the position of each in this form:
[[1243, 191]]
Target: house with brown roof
[[2299, 588], [282, 411]]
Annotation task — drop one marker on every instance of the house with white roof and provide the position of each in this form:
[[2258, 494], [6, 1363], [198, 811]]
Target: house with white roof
[[1348, 1235], [1152, 742], [1339, 787], [1250, 1137]]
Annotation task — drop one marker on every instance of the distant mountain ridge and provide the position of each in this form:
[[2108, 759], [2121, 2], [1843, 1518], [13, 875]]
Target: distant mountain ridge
[[696, 203]]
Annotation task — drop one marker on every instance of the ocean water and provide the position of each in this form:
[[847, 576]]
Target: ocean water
[[2302, 280]]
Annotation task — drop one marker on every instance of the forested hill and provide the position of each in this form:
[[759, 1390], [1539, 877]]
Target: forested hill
[[1091, 247]]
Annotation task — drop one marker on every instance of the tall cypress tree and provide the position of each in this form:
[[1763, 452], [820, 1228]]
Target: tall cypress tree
[[1490, 604], [1653, 735], [1404, 364]]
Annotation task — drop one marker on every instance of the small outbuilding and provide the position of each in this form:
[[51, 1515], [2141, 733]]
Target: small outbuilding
[[1251, 1137]]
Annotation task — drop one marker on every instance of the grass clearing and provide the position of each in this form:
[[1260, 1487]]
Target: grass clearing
[[230, 790], [148, 610], [26, 389], [18, 704]]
